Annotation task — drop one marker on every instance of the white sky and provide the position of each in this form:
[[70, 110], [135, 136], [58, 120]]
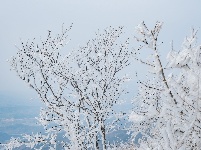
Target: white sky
[[27, 19]]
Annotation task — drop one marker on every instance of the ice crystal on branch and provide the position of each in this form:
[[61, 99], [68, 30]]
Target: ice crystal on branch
[[79, 90], [168, 105]]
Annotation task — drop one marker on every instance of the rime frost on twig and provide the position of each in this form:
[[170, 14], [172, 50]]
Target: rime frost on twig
[[79, 90], [167, 108]]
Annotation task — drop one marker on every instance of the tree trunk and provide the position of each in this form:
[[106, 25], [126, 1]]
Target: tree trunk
[[97, 147], [103, 136]]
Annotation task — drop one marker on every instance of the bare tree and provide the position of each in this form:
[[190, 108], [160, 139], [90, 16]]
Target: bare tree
[[99, 86], [79, 90], [167, 108]]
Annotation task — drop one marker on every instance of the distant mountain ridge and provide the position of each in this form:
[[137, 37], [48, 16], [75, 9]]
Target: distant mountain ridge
[[17, 116]]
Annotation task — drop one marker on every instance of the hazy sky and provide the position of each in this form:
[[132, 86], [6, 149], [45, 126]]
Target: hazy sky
[[27, 19]]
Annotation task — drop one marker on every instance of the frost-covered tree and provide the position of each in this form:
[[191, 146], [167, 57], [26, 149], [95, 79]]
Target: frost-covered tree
[[167, 108], [79, 90]]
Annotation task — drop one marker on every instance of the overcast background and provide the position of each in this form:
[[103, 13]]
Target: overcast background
[[28, 19]]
